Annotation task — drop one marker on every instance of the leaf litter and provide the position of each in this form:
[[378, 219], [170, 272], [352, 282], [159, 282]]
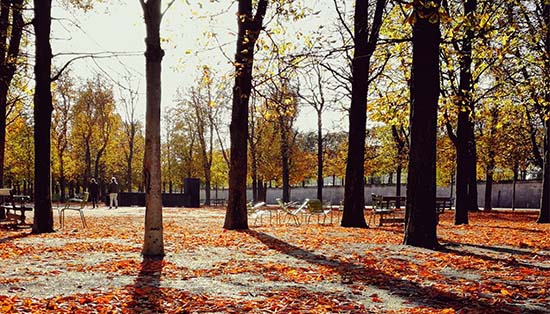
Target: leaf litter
[[499, 263]]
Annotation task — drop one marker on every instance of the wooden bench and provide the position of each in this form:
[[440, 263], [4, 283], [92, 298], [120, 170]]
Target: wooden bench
[[11, 204], [218, 202], [442, 203], [385, 208]]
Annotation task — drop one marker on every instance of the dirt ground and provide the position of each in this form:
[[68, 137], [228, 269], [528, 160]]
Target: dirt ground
[[499, 263]]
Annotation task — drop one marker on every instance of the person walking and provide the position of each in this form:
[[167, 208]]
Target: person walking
[[94, 192], [113, 193]]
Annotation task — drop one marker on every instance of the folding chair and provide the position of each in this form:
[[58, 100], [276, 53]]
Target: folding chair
[[290, 213], [257, 211], [82, 202]]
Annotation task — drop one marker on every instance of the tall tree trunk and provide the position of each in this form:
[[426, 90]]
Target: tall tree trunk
[[254, 186], [488, 190], [491, 162], [514, 181], [398, 183], [249, 30], [97, 161], [421, 216], [466, 183], [87, 158], [129, 168], [207, 186], [9, 52], [253, 162], [153, 244], [43, 216], [285, 156], [544, 216], [320, 180], [262, 190], [400, 147], [61, 176], [354, 191], [62, 185]]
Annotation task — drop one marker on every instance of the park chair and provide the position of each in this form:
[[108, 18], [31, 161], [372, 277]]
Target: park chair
[[316, 208], [288, 211], [80, 204], [257, 210], [340, 211]]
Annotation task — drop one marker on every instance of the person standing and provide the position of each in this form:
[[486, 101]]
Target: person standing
[[113, 193], [94, 192]]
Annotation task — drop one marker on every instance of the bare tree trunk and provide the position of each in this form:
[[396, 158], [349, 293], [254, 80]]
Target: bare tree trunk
[[249, 30], [421, 216], [544, 216], [400, 144], [398, 184], [8, 54], [253, 156], [43, 216], [489, 174], [153, 244], [87, 158], [354, 191], [514, 181], [320, 180], [466, 159], [129, 166], [285, 156]]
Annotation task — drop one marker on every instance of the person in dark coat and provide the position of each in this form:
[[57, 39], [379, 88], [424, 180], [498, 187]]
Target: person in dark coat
[[94, 192], [113, 193]]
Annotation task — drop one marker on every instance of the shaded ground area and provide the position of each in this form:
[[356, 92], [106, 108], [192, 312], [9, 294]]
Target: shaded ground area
[[500, 263]]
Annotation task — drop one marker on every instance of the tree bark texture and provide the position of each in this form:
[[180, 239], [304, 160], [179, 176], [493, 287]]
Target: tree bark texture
[[421, 217], [488, 206], [153, 244], [9, 52], [544, 216], [466, 159], [400, 143], [320, 179], [43, 216], [354, 195], [491, 154], [130, 157], [284, 130], [249, 30]]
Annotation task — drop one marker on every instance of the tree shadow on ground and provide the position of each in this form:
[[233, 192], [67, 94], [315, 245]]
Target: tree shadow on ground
[[389, 229], [514, 228], [147, 296], [408, 290], [20, 235], [512, 216], [451, 247]]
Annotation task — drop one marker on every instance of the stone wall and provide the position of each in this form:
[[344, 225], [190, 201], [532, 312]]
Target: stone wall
[[527, 193]]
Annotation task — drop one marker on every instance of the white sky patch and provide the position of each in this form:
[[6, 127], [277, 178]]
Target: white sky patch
[[119, 27]]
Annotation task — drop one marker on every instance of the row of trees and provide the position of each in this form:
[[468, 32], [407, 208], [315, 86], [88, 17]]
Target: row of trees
[[478, 82], [482, 59]]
